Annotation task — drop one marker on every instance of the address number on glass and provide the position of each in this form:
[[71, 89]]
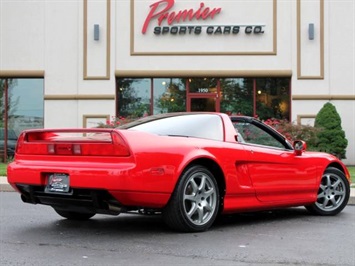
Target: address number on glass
[[203, 90]]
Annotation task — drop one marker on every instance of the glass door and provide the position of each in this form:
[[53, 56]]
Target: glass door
[[203, 95], [207, 104]]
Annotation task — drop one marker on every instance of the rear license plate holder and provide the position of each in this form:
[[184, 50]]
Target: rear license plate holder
[[57, 183]]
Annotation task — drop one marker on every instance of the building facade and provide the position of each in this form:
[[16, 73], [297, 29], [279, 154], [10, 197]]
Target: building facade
[[81, 63]]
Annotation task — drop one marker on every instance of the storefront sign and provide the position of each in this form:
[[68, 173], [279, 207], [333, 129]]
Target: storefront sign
[[202, 27], [164, 12], [215, 29]]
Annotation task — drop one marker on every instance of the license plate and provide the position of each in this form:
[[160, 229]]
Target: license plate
[[57, 183]]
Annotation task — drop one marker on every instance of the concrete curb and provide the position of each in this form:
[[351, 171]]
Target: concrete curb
[[352, 197], [5, 187]]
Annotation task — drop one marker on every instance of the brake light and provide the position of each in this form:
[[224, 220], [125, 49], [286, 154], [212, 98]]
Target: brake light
[[51, 149], [76, 149]]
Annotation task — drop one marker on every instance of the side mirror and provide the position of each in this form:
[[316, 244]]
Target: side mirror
[[299, 146]]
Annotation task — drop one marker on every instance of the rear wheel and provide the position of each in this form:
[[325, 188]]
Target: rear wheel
[[194, 205], [75, 215], [333, 193]]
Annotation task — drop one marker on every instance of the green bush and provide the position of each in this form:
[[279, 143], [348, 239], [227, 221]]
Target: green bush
[[331, 138], [296, 132]]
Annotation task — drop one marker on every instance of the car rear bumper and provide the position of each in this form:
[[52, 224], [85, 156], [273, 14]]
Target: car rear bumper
[[79, 200], [101, 188]]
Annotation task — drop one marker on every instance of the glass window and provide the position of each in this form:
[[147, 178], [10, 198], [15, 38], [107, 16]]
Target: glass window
[[237, 96], [206, 126], [273, 98], [25, 108], [202, 85], [252, 134], [169, 95], [262, 97], [133, 97]]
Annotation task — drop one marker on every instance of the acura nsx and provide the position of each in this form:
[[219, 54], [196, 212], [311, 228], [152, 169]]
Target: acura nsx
[[187, 167]]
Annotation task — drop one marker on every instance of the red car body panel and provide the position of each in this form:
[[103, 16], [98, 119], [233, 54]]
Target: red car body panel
[[254, 177]]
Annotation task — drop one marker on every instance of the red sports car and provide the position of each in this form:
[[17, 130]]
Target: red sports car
[[189, 167]]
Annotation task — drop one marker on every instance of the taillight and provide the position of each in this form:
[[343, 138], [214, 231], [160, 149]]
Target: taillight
[[20, 141]]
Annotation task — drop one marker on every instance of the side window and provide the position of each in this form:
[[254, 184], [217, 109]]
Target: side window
[[252, 134]]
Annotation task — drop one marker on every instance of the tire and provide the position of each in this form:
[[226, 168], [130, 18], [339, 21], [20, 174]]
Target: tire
[[194, 205], [78, 216], [333, 193]]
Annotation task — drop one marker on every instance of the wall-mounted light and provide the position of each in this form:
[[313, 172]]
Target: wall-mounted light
[[96, 32], [311, 31]]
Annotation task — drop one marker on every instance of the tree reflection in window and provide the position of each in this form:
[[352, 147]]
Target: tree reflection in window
[[262, 97], [24, 110], [12, 102], [169, 95], [273, 98], [133, 97], [202, 85], [237, 96]]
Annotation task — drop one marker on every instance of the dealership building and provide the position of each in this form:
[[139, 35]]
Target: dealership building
[[83, 63]]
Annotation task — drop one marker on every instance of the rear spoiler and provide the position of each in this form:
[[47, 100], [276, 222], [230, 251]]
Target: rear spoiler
[[78, 142]]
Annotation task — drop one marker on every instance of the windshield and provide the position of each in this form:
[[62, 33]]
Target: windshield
[[207, 126]]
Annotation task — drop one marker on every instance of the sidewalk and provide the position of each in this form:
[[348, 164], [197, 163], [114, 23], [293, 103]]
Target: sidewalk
[[5, 187]]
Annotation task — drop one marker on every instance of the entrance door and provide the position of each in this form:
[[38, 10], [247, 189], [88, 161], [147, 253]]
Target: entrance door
[[202, 104], [203, 95]]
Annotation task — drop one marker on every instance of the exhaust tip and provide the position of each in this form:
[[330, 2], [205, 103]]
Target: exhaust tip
[[27, 199]]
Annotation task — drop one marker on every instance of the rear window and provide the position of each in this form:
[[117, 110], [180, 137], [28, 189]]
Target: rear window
[[207, 126]]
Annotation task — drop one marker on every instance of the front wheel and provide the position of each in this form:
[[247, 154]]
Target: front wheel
[[194, 205], [333, 193], [75, 215]]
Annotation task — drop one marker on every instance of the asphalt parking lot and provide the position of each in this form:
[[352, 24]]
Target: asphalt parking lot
[[36, 235]]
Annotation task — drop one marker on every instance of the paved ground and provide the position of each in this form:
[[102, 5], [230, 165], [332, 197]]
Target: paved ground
[[4, 186], [34, 235]]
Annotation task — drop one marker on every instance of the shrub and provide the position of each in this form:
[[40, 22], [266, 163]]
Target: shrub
[[331, 138], [114, 122], [296, 132]]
